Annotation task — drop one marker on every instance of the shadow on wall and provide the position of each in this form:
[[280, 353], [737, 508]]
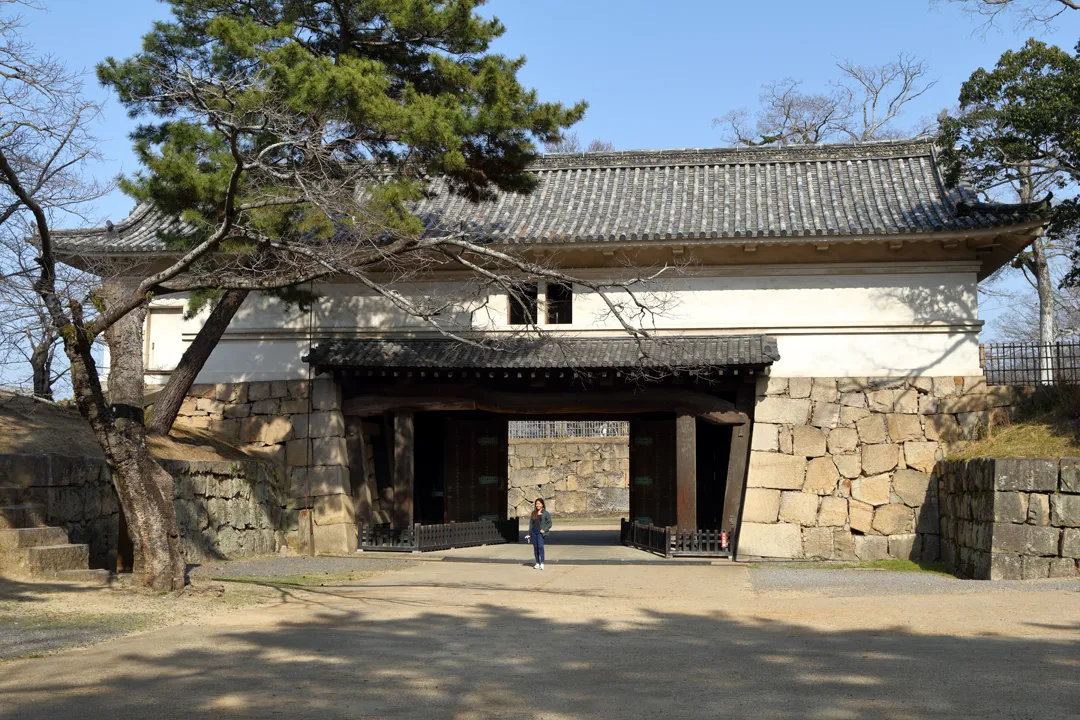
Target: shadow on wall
[[502, 662]]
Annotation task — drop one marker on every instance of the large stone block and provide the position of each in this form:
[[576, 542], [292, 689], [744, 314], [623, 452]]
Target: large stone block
[[1064, 510], [337, 539], [325, 394], [851, 384], [1025, 539], [871, 547], [1038, 509], [776, 386], [265, 429], [824, 390], [826, 415], [772, 470], [764, 437], [881, 401], [318, 481], [808, 441], [298, 453], [945, 387], [833, 512], [850, 466], [853, 400], [871, 490], [821, 476], [904, 427], [572, 503], [1010, 507], [849, 416], [880, 458], [1070, 543], [770, 540], [905, 547], [861, 516], [921, 455], [894, 520], [911, 486], [1070, 475], [1025, 475], [1063, 568], [258, 391], [798, 507], [871, 429], [211, 407], [608, 500], [843, 545], [331, 509], [300, 425], [1004, 566], [800, 387], [1034, 568], [784, 411], [761, 505], [943, 428], [326, 424], [843, 440], [270, 406], [817, 543], [329, 451]]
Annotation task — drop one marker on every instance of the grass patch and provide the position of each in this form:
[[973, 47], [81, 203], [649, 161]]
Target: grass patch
[[1039, 435], [886, 565]]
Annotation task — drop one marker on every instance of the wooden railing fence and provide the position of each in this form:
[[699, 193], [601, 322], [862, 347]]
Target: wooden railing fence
[[424, 538]]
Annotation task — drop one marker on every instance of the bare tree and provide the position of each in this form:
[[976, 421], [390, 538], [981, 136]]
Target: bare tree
[[1029, 12], [863, 104], [571, 143], [28, 339]]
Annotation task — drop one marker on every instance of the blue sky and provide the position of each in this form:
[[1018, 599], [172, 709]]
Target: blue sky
[[654, 74]]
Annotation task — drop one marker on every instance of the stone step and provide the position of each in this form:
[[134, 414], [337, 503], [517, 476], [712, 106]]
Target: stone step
[[44, 562], [13, 539], [88, 577], [22, 516]]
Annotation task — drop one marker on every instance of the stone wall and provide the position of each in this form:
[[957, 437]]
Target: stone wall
[[225, 509], [840, 467], [584, 477], [299, 425], [1010, 519]]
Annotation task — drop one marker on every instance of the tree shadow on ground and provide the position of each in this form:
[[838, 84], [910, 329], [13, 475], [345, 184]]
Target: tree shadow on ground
[[486, 661]]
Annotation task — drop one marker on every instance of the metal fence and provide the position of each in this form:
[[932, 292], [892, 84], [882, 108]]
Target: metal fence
[[553, 429], [1031, 363]]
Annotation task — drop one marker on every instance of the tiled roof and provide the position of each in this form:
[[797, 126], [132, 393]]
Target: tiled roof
[[605, 352], [842, 190]]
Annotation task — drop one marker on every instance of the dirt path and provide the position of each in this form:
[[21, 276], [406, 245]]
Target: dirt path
[[497, 640]]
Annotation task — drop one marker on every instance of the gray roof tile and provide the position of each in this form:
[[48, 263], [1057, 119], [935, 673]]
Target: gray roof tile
[[615, 352], [864, 190]]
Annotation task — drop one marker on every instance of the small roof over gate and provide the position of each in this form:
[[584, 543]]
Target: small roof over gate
[[682, 352]]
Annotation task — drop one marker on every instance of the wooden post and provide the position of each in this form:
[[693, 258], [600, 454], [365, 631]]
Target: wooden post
[[738, 459], [404, 461], [686, 472]]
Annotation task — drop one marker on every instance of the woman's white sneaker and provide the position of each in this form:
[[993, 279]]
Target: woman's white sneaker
[[538, 566], [541, 566]]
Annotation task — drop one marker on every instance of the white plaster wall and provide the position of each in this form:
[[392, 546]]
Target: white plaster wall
[[899, 319]]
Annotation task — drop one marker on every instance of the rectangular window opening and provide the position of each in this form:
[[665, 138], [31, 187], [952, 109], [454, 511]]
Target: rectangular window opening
[[523, 304], [560, 304]]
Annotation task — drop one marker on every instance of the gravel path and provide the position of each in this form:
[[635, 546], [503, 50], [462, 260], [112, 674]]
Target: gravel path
[[302, 565], [21, 635], [856, 582]]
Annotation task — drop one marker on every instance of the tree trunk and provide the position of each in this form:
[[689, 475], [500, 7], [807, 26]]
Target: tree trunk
[[41, 365], [1044, 284], [144, 488], [167, 405]]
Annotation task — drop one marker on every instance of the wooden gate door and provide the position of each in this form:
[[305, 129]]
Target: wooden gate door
[[652, 471], [476, 456]]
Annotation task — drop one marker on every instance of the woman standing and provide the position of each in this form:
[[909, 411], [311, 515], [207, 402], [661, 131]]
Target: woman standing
[[539, 526]]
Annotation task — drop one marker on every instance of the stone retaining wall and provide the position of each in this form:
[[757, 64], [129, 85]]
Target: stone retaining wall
[[225, 509], [840, 467], [575, 476], [297, 424], [1010, 519]]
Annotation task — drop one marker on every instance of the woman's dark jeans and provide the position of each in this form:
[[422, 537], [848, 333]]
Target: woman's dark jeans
[[538, 545]]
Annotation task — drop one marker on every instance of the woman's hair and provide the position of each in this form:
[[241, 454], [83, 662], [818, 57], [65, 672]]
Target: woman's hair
[[543, 506]]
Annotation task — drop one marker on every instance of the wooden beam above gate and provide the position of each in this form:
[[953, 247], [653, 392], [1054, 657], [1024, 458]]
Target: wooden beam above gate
[[441, 398]]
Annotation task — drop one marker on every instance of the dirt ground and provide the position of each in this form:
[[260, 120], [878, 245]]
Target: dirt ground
[[482, 635]]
